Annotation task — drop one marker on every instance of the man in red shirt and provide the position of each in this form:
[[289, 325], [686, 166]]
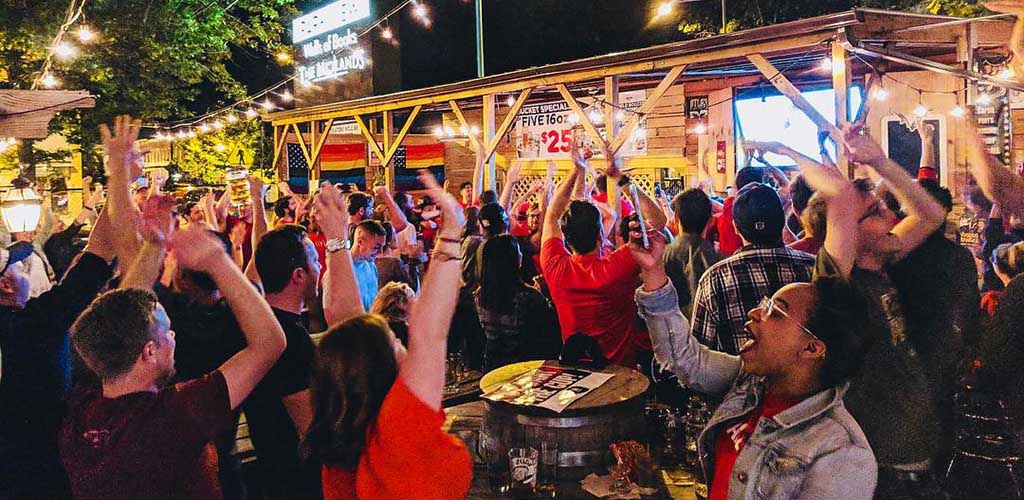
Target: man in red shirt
[[133, 437], [593, 293]]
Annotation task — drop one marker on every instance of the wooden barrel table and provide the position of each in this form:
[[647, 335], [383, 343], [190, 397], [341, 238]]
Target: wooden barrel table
[[583, 430]]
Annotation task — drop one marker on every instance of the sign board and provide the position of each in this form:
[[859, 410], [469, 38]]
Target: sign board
[[697, 107], [545, 130], [345, 128], [327, 19], [993, 113]]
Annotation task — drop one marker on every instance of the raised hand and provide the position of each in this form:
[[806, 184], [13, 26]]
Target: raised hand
[[257, 189], [926, 131], [382, 192], [331, 210], [157, 219], [119, 145], [451, 211], [649, 259], [198, 250], [861, 147], [513, 172]]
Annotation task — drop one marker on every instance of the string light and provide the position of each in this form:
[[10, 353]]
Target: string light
[[474, 129], [663, 10], [286, 96], [420, 11], [574, 119], [217, 125], [267, 104], [880, 94], [957, 111], [204, 128], [284, 57], [700, 129], [64, 50], [1006, 74], [86, 35], [826, 64], [49, 81], [596, 117], [984, 99], [439, 131], [386, 33], [232, 118], [251, 113], [511, 101]]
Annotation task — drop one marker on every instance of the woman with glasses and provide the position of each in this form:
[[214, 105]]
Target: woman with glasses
[[781, 431]]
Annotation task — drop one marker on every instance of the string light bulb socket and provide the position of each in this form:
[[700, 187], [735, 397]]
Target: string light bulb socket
[[49, 81], [957, 111], [85, 34], [64, 50], [701, 128], [251, 113]]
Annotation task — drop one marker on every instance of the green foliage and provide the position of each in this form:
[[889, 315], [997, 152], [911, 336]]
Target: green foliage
[[205, 159], [152, 57]]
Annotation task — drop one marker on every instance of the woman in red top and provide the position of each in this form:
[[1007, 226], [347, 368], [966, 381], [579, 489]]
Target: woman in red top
[[377, 408]]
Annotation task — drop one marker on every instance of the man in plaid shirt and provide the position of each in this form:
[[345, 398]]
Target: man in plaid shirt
[[732, 287]]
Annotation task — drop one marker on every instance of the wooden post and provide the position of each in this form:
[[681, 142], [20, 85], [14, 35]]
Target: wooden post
[[841, 88], [389, 167], [776, 78], [491, 166], [611, 131]]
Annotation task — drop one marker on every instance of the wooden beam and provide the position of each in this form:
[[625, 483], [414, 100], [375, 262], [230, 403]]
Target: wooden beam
[[302, 146], [841, 89], [536, 78], [645, 109], [611, 128], [323, 138], [370, 138], [388, 133], [507, 123], [402, 133], [473, 141], [776, 78], [584, 120], [279, 140], [487, 127]]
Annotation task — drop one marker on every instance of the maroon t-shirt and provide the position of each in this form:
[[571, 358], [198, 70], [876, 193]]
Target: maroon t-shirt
[[146, 445]]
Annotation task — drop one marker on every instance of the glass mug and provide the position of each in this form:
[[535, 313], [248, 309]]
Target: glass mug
[[522, 465]]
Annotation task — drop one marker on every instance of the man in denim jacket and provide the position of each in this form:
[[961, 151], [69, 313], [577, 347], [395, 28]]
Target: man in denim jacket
[[781, 431]]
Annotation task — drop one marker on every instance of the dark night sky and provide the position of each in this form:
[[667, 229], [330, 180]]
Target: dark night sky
[[517, 34]]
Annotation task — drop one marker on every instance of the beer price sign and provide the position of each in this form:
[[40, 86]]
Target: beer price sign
[[546, 130]]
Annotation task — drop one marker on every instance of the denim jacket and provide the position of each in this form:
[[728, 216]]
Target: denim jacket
[[812, 451]]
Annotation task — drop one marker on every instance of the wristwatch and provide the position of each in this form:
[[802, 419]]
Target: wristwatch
[[335, 244]]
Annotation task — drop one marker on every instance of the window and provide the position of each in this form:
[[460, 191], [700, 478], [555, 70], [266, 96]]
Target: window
[[773, 118]]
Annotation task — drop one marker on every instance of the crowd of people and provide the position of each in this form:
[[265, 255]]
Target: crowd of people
[[833, 322]]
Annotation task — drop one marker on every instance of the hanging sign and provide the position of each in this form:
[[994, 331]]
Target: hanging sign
[[546, 130], [332, 62]]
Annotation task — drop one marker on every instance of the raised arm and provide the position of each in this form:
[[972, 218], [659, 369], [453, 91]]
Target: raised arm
[[927, 133], [395, 214], [535, 188], [257, 192], [841, 224], [998, 182], [431, 316], [122, 166], [560, 200], [265, 341], [157, 226], [511, 179], [341, 299], [923, 213], [478, 179], [708, 371], [653, 214]]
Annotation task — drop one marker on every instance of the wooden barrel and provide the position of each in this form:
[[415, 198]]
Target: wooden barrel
[[584, 430]]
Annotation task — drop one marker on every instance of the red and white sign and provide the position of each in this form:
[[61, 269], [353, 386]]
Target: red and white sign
[[545, 130]]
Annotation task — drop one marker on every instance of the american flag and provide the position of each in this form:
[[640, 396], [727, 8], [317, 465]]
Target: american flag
[[399, 160], [296, 160]]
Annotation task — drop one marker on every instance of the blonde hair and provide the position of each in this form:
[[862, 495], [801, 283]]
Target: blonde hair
[[392, 301]]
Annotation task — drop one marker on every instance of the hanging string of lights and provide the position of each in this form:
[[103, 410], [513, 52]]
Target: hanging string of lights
[[278, 95], [61, 49]]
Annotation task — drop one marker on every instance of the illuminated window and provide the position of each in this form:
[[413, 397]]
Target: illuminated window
[[772, 117]]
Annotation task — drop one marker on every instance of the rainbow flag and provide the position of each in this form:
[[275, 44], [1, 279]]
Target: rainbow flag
[[336, 157]]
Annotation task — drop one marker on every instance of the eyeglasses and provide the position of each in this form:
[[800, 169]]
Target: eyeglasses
[[770, 309]]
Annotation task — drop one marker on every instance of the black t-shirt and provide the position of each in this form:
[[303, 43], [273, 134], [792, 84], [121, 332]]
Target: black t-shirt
[[891, 397], [270, 427]]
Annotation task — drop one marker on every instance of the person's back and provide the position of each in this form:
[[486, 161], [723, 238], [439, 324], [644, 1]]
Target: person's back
[[733, 286], [689, 256]]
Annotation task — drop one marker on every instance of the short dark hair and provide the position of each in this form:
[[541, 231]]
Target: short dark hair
[[357, 201], [279, 253], [373, 227], [746, 175], [941, 194], [838, 320], [693, 210], [353, 372], [601, 182], [465, 185], [281, 206], [815, 217], [581, 226], [489, 196], [202, 279], [111, 332], [800, 192], [401, 198]]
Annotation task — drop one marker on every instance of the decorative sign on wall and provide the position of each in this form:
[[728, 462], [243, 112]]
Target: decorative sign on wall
[[546, 130], [697, 107], [992, 109]]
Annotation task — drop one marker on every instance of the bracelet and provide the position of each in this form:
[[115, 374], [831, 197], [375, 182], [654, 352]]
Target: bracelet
[[450, 240], [440, 256]]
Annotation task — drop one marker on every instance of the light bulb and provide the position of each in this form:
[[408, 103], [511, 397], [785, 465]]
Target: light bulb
[[64, 50], [191, 133], [232, 118], [664, 9], [984, 99], [386, 33], [574, 118], [475, 129], [286, 96], [880, 94], [920, 111], [596, 117], [267, 104], [85, 34], [204, 128], [283, 57], [49, 81], [251, 113], [217, 125], [826, 64], [620, 115], [421, 12], [1006, 74], [639, 133], [957, 111], [511, 101], [700, 128], [182, 134], [159, 136], [439, 131]]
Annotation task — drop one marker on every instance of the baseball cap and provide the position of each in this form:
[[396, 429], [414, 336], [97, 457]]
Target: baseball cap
[[17, 252], [523, 210], [758, 214], [493, 217]]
